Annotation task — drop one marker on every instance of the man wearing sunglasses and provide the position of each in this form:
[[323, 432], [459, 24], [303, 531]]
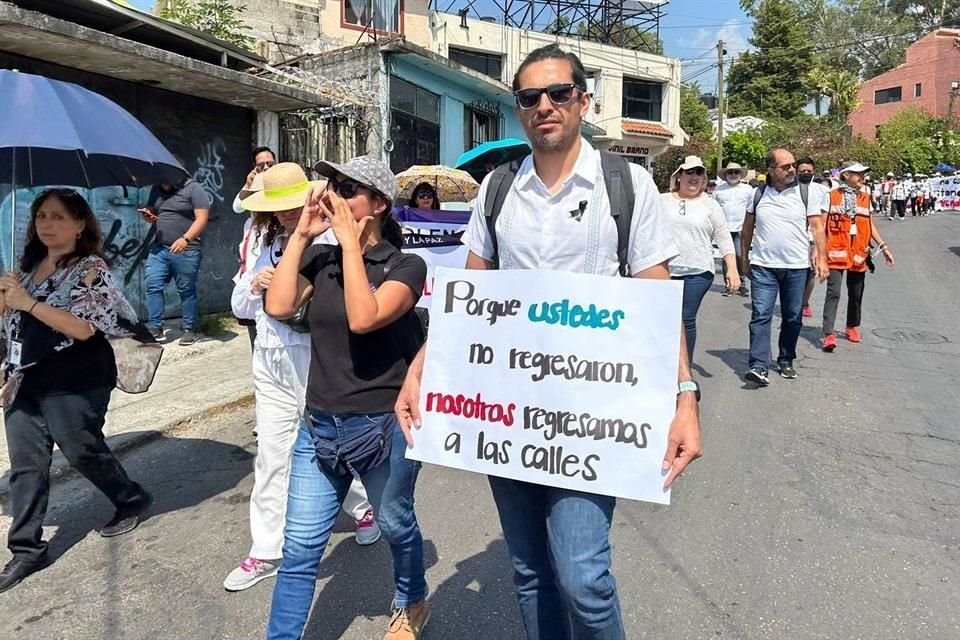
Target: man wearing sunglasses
[[557, 216], [776, 254]]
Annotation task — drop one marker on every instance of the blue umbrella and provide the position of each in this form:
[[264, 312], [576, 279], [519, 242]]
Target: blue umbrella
[[58, 133], [54, 132], [497, 152], [943, 167]]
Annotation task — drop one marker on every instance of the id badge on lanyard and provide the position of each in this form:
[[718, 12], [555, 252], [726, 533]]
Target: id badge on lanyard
[[16, 352]]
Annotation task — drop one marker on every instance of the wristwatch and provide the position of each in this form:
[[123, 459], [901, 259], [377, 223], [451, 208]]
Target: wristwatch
[[689, 385]]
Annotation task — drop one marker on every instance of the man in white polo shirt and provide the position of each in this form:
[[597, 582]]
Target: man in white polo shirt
[[557, 216], [776, 252]]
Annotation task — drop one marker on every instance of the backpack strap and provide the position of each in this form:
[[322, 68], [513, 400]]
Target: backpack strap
[[496, 195], [619, 183], [757, 195]]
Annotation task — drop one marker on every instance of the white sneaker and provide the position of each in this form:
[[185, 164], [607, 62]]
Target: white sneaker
[[368, 531], [250, 572]]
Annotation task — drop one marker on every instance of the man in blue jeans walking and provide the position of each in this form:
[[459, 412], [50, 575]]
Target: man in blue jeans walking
[[559, 539], [776, 254], [179, 214]]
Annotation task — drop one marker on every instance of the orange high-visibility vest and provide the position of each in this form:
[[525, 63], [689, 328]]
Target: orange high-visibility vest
[[848, 239]]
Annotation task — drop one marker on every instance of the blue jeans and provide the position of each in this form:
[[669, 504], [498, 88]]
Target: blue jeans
[[559, 543], [694, 288], [313, 500], [162, 265], [735, 236], [767, 283]]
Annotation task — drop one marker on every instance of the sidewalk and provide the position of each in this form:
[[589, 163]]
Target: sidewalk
[[191, 382]]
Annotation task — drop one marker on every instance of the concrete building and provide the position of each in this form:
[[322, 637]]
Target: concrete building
[[637, 94], [189, 89], [926, 79]]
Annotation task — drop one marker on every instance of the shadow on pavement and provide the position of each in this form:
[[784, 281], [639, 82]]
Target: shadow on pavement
[[177, 479], [954, 250], [734, 358], [478, 600], [361, 585]]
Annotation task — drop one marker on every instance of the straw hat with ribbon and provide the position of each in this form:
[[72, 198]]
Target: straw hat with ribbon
[[255, 185], [285, 186]]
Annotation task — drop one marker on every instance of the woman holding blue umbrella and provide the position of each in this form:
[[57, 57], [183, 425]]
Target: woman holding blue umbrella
[[56, 312]]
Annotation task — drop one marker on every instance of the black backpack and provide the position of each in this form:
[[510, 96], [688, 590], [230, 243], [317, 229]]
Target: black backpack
[[616, 177], [804, 195]]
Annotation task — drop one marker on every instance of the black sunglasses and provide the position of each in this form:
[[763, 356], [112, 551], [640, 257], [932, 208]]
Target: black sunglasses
[[346, 189], [558, 94], [424, 193], [699, 171]]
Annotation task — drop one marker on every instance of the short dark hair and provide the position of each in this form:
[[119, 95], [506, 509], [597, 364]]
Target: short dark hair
[[807, 160], [260, 150], [553, 52]]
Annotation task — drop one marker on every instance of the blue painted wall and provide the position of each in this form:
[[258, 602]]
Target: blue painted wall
[[453, 98]]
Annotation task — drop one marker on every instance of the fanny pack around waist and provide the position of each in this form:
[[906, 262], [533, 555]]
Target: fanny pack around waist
[[357, 453]]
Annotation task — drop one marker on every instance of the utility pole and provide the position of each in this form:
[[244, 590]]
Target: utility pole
[[720, 106], [954, 90]]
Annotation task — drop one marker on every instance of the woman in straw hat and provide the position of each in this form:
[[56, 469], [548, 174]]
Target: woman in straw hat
[[364, 333], [281, 358], [697, 220]]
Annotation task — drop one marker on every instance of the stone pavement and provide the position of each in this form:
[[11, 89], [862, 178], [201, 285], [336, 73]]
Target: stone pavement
[[221, 366]]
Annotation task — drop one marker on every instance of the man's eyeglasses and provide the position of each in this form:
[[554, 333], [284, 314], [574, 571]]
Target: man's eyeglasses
[[786, 167], [263, 166], [696, 171], [346, 189], [558, 94]]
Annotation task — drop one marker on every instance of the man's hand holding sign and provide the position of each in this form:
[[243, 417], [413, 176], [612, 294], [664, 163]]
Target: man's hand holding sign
[[554, 378]]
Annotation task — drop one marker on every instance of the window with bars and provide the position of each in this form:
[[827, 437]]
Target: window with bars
[[479, 126], [380, 15], [489, 64], [642, 100]]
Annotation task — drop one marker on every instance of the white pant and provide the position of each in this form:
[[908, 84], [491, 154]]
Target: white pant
[[279, 379]]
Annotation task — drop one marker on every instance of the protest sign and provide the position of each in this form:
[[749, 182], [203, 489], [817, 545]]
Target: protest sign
[[554, 378], [435, 237], [946, 190]]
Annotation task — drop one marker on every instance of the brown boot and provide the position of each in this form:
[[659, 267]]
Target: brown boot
[[408, 624]]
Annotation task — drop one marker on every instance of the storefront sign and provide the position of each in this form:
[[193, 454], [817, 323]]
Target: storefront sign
[[629, 150]]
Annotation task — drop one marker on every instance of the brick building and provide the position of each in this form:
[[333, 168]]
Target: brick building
[[924, 80]]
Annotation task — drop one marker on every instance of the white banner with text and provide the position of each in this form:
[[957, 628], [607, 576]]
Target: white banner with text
[[553, 378]]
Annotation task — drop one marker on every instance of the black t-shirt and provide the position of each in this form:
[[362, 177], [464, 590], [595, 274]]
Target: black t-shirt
[[354, 373], [86, 364], [175, 211]]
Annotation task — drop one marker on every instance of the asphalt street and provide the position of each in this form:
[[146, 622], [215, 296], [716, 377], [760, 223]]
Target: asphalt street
[[826, 507]]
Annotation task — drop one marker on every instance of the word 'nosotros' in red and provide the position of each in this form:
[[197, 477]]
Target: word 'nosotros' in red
[[471, 407]]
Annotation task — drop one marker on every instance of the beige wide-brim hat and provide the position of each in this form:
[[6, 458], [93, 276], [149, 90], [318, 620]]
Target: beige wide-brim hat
[[285, 186], [690, 162], [733, 166], [255, 186]]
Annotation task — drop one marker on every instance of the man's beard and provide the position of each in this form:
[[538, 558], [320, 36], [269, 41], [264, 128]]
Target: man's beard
[[551, 141]]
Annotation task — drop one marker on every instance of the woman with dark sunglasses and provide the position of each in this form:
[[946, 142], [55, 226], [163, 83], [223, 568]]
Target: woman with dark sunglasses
[[697, 221], [364, 333], [424, 197]]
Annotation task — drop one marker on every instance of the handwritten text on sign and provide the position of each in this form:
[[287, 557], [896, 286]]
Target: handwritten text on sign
[[553, 378]]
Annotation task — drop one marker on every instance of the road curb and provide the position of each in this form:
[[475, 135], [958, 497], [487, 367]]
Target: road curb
[[61, 470]]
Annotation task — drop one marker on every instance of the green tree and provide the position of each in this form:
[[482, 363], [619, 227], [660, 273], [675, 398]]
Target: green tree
[[914, 134], [817, 85], [219, 18], [769, 82], [694, 115], [842, 87], [746, 148]]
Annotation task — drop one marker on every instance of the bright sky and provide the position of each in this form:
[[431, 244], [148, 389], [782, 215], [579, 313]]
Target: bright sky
[[689, 31]]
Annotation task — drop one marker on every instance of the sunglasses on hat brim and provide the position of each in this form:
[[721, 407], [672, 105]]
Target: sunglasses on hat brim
[[558, 93]]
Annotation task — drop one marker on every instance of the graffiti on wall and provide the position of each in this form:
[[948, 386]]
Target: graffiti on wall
[[210, 169]]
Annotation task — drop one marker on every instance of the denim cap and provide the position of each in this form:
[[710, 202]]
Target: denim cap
[[367, 170]]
